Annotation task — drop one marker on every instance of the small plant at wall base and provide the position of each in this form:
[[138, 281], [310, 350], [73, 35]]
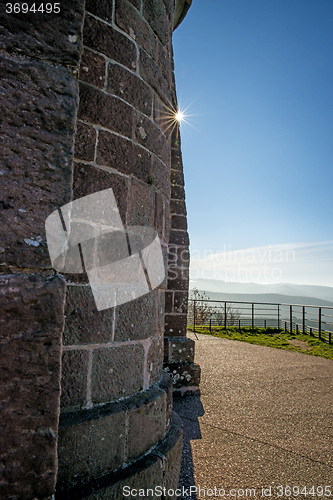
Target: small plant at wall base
[[271, 337]]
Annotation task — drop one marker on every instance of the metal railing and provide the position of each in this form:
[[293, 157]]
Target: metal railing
[[316, 321]]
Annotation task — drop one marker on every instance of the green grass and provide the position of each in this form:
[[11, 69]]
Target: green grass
[[271, 338]]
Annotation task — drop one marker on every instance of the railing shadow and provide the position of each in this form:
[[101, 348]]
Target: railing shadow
[[189, 408]]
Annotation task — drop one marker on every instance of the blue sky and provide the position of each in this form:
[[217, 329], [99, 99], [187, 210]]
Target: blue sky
[[257, 78]]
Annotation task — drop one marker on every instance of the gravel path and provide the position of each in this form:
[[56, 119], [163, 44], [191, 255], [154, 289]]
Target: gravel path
[[263, 420]]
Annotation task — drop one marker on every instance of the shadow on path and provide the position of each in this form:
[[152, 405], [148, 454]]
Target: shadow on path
[[189, 408]]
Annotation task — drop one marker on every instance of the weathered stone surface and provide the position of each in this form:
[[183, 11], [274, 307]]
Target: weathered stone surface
[[141, 208], [149, 135], [177, 192], [129, 87], [177, 177], [181, 351], [179, 222], [181, 302], [135, 26], [160, 175], [85, 142], [178, 207], [169, 301], [184, 375], [84, 323], [178, 256], [159, 216], [74, 379], [179, 237], [89, 179], [105, 39], [175, 325], [117, 372], [96, 107], [178, 278], [155, 13], [166, 385], [93, 69], [146, 423], [137, 319], [171, 448], [30, 341], [50, 37], [121, 154], [152, 74], [102, 9], [155, 360], [36, 149], [90, 447]]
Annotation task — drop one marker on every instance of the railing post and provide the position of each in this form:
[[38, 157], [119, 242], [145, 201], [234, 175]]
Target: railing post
[[239, 325], [252, 315], [225, 315], [285, 327], [319, 323], [210, 325], [194, 316], [278, 325], [291, 319], [303, 321], [296, 328]]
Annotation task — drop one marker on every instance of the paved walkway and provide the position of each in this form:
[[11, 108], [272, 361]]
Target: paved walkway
[[263, 420]]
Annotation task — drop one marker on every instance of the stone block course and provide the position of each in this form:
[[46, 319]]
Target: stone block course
[[130, 21], [141, 206], [30, 341], [103, 38], [181, 351], [179, 222], [130, 87], [177, 192], [149, 135], [178, 279], [178, 207], [102, 9], [117, 372], [179, 237], [74, 379], [84, 323], [92, 69], [152, 74], [155, 13], [175, 325], [155, 360], [146, 425], [160, 176], [90, 448], [99, 108], [89, 179], [181, 302], [137, 319]]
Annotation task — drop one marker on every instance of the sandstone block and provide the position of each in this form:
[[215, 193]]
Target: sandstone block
[[85, 142], [181, 351], [155, 14], [179, 237], [155, 360], [89, 445], [141, 207], [152, 74], [178, 278], [179, 222], [137, 319], [99, 108], [92, 68], [135, 26], [84, 323], [74, 379], [129, 87], [150, 136], [117, 372], [89, 179], [146, 423], [106, 40], [36, 150], [175, 325]]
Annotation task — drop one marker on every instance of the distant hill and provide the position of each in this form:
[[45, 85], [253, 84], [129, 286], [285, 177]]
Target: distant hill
[[278, 293]]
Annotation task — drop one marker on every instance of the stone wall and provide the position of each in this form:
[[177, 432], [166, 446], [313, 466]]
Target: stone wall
[[97, 77]]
